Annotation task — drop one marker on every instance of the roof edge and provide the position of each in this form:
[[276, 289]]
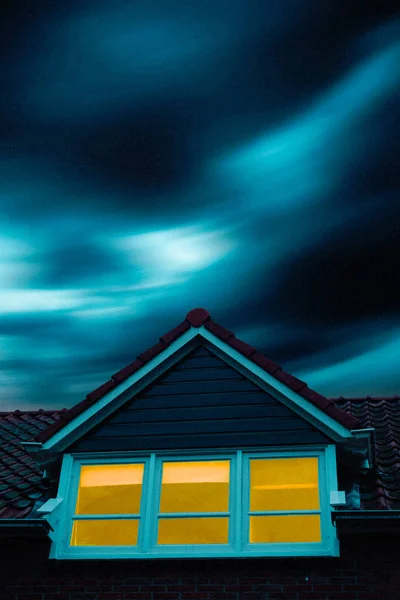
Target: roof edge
[[197, 318]]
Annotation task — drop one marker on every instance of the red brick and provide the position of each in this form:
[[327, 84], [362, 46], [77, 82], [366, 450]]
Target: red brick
[[211, 588], [327, 588], [378, 596], [299, 587], [344, 596], [47, 589], [239, 587], [73, 588], [180, 588], [138, 596], [355, 588], [194, 580]]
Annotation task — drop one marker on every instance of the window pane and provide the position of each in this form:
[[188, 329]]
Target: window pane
[[109, 489], [200, 530], [299, 528], [201, 486], [118, 532], [284, 484]]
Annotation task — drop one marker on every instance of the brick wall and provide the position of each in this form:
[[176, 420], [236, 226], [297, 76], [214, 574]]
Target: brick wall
[[368, 569]]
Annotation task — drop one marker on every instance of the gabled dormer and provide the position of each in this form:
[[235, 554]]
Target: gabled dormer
[[201, 447]]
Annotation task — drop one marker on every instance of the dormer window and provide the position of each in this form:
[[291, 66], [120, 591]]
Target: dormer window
[[227, 504], [202, 447]]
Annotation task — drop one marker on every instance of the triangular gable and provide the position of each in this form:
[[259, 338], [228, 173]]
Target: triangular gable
[[201, 402], [198, 328]]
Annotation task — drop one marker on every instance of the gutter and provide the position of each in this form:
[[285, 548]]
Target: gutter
[[24, 528], [379, 521]]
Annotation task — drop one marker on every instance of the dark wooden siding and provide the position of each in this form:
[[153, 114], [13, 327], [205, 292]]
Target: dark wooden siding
[[200, 403]]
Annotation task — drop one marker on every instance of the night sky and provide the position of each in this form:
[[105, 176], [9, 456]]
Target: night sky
[[237, 155]]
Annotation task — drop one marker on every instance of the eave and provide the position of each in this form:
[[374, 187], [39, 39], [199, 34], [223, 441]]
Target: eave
[[366, 521], [24, 528]]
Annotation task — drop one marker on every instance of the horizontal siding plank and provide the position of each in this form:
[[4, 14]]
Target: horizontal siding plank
[[201, 387], [221, 399], [201, 402], [172, 442], [201, 362], [202, 351], [196, 413], [203, 426], [210, 374]]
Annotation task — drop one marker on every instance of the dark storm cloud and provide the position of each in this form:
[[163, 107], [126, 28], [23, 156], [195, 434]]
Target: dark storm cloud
[[129, 54], [232, 155], [34, 324], [150, 153], [77, 263], [347, 276]]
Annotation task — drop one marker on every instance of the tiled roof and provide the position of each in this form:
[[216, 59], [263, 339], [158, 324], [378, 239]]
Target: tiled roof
[[196, 318], [22, 483], [21, 479], [381, 488]]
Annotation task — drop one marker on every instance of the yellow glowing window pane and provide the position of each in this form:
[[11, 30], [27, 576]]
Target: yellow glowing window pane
[[109, 489], [199, 530], [284, 484], [118, 532], [201, 486], [280, 529]]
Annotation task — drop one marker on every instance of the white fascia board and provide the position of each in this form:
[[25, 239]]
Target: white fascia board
[[98, 411], [303, 407], [163, 361]]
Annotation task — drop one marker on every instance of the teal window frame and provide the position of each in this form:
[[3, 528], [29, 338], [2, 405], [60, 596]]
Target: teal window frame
[[238, 512]]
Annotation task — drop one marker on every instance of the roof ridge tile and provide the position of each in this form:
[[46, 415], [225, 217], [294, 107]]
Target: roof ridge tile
[[198, 316]]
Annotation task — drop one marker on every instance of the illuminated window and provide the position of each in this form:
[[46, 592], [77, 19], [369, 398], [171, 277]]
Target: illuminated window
[[279, 487], [194, 491], [235, 504], [105, 491]]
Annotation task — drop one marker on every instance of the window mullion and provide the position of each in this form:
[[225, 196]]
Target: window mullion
[[148, 498], [237, 504]]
